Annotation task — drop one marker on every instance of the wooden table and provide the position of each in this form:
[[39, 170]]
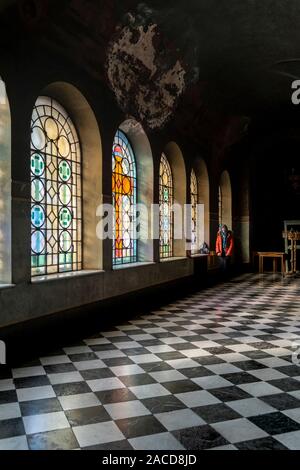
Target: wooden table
[[271, 254]]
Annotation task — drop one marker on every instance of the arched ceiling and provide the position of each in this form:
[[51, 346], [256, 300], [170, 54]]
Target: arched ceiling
[[220, 61]]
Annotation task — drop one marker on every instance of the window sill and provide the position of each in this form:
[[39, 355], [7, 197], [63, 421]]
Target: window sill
[[175, 258], [132, 265], [64, 276], [199, 255], [7, 286]]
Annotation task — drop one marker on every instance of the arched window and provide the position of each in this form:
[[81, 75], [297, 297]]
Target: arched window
[[124, 187], [166, 198], [194, 204], [56, 199], [5, 187]]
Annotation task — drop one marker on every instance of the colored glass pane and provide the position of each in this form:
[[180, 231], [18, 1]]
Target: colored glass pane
[[124, 187], [166, 208], [55, 191], [194, 206]]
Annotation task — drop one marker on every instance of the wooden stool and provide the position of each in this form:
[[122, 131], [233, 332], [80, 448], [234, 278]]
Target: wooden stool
[[275, 256]]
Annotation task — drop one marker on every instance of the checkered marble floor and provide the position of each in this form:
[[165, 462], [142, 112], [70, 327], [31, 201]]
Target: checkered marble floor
[[211, 371]]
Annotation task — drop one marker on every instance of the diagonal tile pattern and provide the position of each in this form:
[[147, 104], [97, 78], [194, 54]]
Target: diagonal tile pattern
[[211, 371]]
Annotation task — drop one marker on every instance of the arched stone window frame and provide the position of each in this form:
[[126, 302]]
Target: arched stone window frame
[[85, 122], [175, 158], [141, 147], [5, 187]]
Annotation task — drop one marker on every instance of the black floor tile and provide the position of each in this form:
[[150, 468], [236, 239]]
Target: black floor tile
[[286, 385], [240, 378], [156, 367], [75, 388], [36, 407], [163, 404], [115, 396], [267, 443], [230, 394], [216, 413], [95, 374], [141, 426], [60, 368], [282, 401], [9, 396], [11, 428], [30, 382], [201, 438], [117, 361], [140, 379], [195, 372], [54, 440], [275, 423], [181, 386], [85, 416], [83, 357], [111, 446]]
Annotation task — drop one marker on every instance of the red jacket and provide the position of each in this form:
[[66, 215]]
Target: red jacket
[[229, 246]]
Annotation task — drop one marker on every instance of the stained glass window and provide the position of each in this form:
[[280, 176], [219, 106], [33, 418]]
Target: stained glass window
[[56, 203], [124, 187], [166, 199], [194, 204], [220, 206]]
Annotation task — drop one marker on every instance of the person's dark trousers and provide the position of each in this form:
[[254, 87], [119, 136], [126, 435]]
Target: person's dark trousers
[[225, 265]]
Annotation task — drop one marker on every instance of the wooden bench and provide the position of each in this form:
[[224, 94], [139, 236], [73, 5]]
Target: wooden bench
[[275, 256]]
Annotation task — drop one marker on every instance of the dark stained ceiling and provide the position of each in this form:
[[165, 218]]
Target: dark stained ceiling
[[205, 58]]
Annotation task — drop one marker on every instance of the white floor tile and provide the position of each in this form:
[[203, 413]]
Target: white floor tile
[[260, 389], [54, 360], [65, 378], [182, 363], [291, 440], [112, 354], [250, 407], [14, 443], [130, 369], [35, 393], [293, 414], [94, 434], [100, 385], [180, 419], [127, 345], [28, 372], [239, 430], [195, 353], [149, 391], [145, 359], [45, 422], [198, 398], [126, 410], [89, 365], [163, 441], [267, 374], [167, 376], [211, 382], [223, 369], [7, 384], [73, 402], [10, 411]]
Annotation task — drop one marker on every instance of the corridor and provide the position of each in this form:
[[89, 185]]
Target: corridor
[[212, 371]]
